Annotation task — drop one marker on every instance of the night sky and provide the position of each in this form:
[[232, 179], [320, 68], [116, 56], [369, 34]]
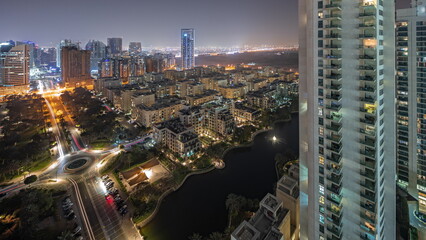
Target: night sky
[[155, 23]]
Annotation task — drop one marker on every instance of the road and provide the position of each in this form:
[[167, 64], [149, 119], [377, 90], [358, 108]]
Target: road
[[99, 217]]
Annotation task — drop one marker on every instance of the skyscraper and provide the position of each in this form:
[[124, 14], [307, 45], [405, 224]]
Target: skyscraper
[[187, 48], [347, 123], [135, 48], [411, 100], [75, 66], [15, 66], [97, 53], [115, 46], [63, 43]]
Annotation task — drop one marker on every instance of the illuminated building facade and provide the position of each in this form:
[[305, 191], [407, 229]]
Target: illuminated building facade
[[411, 100], [135, 48], [347, 123], [15, 66], [75, 65], [98, 51], [187, 48]]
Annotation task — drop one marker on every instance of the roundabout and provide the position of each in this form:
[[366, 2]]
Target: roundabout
[[78, 162]]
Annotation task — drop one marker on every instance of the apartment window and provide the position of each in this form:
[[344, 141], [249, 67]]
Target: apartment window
[[321, 160], [321, 189], [321, 219], [321, 199]]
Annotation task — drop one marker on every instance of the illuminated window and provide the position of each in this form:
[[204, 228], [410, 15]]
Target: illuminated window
[[321, 160], [321, 189], [321, 219], [321, 199], [321, 131]]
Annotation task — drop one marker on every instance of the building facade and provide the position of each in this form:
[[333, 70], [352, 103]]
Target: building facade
[[135, 48], [115, 46], [187, 48], [411, 100], [15, 66], [75, 66], [347, 123], [98, 51]]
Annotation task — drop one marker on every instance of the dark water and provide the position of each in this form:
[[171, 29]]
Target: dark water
[[199, 205]]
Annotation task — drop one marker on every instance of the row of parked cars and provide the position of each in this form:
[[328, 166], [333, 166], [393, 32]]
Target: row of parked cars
[[67, 207], [112, 193]]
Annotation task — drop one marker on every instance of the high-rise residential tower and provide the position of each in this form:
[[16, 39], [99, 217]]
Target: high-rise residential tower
[[347, 119], [135, 48], [97, 53], [187, 48], [75, 66], [411, 100], [15, 66], [63, 43], [115, 46]]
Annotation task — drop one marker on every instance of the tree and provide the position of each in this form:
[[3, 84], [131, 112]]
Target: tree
[[216, 236], [233, 205], [30, 179], [195, 236]]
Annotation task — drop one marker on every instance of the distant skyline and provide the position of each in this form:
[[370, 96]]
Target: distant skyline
[[219, 23]]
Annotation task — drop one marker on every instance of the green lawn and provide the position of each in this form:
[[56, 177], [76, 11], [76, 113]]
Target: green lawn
[[100, 144]]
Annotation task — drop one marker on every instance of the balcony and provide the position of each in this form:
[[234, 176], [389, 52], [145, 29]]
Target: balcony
[[333, 26], [367, 57], [369, 219], [336, 158], [333, 16], [334, 86], [369, 207], [334, 127], [368, 141], [333, 46], [336, 210], [369, 196], [367, 78], [332, 6], [334, 76], [334, 137], [367, 15], [368, 120], [336, 179], [368, 153], [368, 132], [333, 36], [371, 164], [368, 185], [336, 97], [370, 174], [335, 231], [368, 89], [367, 99], [333, 66], [333, 56], [368, 111], [337, 148], [334, 107], [364, 25], [366, 68], [335, 118], [366, 36]]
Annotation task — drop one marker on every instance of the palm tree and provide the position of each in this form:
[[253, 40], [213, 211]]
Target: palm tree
[[195, 236], [233, 205], [216, 236]]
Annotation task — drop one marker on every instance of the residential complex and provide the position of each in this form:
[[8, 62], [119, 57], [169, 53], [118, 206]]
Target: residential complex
[[75, 66], [15, 66], [347, 119]]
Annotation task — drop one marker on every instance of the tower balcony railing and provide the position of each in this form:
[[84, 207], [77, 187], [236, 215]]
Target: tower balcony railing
[[368, 174], [368, 132], [368, 218], [336, 97], [337, 149], [368, 141], [335, 189], [334, 86], [336, 179], [368, 120], [367, 35], [367, 99], [364, 110], [334, 76], [368, 89], [334, 127], [336, 211], [367, 78], [366, 68], [335, 35], [369, 207], [367, 57], [366, 25], [333, 56], [336, 158], [333, 16], [334, 107], [333, 26], [334, 168], [369, 196], [368, 153], [333, 66], [335, 231], [368, 186], [334, 118], [334, 137], [371, 164], [367, 15], [334, 5]]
